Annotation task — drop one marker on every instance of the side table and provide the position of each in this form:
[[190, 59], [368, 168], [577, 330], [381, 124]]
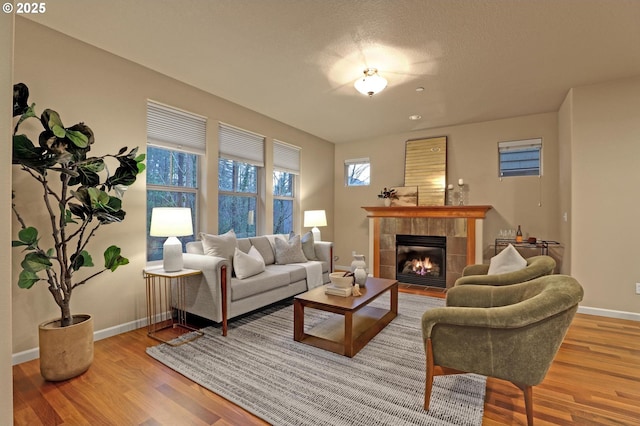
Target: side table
[[166, 291]]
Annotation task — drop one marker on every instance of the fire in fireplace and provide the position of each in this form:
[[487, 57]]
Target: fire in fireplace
[[421, 259]]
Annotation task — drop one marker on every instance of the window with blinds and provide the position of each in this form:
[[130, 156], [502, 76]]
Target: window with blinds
[[286, 166], [241, 157], [175, 140], [520, 158]]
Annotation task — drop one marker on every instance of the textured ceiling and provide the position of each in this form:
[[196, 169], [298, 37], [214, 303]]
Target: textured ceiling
[[296, 61]]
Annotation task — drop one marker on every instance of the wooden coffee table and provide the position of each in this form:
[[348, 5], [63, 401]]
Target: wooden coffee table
[[358, 323]]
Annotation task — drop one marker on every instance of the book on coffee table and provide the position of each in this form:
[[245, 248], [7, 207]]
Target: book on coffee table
[[338, 291]]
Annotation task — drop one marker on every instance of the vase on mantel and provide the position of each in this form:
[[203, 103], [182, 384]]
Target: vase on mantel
[[359, 268], [387, 202]]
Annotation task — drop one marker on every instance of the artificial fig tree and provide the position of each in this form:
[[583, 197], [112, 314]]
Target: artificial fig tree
[[80, 195]]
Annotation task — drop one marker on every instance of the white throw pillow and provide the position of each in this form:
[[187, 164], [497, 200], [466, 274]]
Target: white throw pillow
[[219, 245], [508, 260], [249, 264], [289, 251]]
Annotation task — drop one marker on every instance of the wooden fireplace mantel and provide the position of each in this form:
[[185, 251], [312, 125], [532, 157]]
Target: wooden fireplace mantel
[[473, 212], [470, 213]]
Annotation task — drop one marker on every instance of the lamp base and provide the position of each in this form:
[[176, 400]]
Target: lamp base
[[316, 233], [172, 255]]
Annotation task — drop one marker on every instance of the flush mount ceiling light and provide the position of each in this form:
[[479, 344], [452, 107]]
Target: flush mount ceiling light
[[371, 83]]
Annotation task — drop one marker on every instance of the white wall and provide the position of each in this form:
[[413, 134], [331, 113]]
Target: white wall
[[605, 182], [6, 93]]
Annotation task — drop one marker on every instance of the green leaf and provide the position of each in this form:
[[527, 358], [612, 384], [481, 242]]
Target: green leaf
[[28, 237], [112, 258], [80, 260], [78, 138], [58, 131], [50, 119], [27, 279], [35, 262], [68, 218], [51, 252]]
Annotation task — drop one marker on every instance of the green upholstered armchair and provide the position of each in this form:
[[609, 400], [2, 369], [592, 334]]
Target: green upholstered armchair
[[508, 332], [537, 266]]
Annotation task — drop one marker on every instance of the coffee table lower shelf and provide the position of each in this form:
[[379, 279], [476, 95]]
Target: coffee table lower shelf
[[330, 334]]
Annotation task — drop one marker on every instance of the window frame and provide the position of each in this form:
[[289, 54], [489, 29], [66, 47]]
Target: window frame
[[255, 195]]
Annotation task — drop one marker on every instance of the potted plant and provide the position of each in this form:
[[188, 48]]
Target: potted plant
[[79, 197], [387, 195]]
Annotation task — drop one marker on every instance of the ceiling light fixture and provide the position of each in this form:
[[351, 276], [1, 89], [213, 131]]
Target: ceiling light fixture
[[371, 83]]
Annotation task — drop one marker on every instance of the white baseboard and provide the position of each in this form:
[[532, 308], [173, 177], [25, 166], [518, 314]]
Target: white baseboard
[[34, 353], [610, 313]]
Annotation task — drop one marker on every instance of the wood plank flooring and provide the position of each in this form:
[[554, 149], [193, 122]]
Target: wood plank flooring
[[595, 380]]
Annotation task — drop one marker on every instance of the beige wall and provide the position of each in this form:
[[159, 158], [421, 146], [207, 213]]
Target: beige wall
[[565, 117], [472, 155], [110, 95], [6, 93], [605, 177]]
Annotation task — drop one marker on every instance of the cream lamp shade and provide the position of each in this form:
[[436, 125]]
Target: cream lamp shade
[[315, 218], [371, 83], [171, 222]]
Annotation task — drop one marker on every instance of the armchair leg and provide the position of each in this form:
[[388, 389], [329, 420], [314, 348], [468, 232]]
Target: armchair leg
[[528, 401], [430, 373]]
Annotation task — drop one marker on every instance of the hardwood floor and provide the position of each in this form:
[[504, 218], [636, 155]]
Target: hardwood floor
[[595, 380]]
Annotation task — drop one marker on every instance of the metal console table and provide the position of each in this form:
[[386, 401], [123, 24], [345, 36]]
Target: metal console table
[[542, 245]]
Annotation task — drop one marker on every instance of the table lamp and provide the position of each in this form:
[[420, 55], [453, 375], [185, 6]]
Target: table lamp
[[171, 222], [315, 218]]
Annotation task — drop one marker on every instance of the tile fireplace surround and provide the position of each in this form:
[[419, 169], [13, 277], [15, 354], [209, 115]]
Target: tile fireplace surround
[[462, 225]]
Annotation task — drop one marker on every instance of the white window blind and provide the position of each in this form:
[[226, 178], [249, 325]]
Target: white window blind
[[241, 145], [175, 129], [286, 158], [520, 158]]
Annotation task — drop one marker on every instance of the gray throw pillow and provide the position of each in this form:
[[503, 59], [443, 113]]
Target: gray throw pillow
[[289, 251], [219, 245], [308, 246]]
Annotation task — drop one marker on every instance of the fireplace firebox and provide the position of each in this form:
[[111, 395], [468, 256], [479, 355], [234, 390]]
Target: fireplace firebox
[[421, 259]]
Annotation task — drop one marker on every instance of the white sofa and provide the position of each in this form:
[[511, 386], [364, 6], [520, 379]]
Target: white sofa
[[205, 294]]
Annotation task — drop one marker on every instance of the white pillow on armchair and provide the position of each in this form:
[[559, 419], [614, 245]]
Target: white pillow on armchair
[[508, 260]]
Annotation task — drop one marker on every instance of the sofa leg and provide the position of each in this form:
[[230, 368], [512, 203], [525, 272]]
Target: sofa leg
[[223, 291]]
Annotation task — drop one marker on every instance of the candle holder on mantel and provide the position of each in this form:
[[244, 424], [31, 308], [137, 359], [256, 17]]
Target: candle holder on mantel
[[461, 200], [451, 194]]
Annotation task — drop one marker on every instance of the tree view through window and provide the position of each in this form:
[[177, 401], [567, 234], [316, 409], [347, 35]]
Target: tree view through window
[[237, 197], [283, 193], [172, 181]]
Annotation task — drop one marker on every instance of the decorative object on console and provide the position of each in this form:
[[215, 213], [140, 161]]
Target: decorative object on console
[[404, 196], [171, 222], [371, 83], [315, 218], [359, 269], [425, 166]]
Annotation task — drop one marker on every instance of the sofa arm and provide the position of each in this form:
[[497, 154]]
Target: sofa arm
[[205, 299], [324, 252]]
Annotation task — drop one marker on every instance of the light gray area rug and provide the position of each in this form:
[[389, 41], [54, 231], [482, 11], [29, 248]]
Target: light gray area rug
[[259, 367]]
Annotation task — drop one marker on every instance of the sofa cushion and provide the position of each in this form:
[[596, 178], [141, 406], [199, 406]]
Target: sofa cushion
[[263, 245], [289, 251], [268, 280], [296, 272], [508, 260], [249, 264], [219, 245]]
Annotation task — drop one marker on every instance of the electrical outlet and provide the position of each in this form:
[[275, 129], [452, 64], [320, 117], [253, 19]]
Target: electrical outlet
[[637, 288]]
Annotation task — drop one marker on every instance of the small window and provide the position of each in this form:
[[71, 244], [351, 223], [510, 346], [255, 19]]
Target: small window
[[520, 158], [357, 172]]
